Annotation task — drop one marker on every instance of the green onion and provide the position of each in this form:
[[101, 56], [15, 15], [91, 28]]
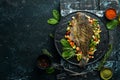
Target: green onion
[[106, 56]]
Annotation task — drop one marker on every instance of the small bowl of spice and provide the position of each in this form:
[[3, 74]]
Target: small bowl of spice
[[110, 13], [106, 73], [43, 62]]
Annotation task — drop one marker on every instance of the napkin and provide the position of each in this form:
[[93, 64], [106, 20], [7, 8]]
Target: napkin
[[94, 6]]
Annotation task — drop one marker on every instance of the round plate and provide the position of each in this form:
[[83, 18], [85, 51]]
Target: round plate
[[102, 47]]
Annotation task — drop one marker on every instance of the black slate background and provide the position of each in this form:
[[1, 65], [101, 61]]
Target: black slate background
[[23, 33]]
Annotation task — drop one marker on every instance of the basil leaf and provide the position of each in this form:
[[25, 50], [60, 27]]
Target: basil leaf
[[67, 49], [56, 14], [112, 24], [51, 35], [68, 54], [52, 21], [50, 70], [45, 51], [65, 43]]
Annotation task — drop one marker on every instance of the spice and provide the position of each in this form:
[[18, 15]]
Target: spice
[[43, 61], [110, 13], [106, 73]]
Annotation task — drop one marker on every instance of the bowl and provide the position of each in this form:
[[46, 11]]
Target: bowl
[[110, 13], [43, 62], [102, 48], [106, 73]]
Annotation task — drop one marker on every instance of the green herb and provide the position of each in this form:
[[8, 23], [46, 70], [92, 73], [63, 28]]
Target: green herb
[[55, 19], [67, 48], [68, 51], [106, 56], [68, 54], [52, 21], [112, 24], [50, 70], [95, 23], [56, 14], [51, 35], [65, 43], [79, 57], [92, 43], [45, 51]]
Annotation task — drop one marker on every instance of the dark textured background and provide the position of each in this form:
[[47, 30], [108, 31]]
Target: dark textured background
[[23, 33]]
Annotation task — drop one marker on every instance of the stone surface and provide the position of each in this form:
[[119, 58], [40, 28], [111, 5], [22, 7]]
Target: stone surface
[[93, 6], [23, 33], [114, 60]]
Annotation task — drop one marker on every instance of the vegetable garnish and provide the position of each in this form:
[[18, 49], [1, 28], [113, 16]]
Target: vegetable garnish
[[68, 51], [46, 52], [112, 24], [56, 14], [103, 61], [81, 38], [50, 70], [52, 21], [55, 19], [95, 38]]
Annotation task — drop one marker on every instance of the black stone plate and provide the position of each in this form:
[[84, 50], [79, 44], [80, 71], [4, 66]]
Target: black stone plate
[[101, 48]]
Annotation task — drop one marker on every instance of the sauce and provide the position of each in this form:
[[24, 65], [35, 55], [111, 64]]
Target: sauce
[[110, 13], [106, 73]]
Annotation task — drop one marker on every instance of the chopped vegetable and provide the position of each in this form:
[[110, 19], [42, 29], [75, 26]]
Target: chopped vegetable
[[77, 48], [45, 51], [79, 57], [95, 39]]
